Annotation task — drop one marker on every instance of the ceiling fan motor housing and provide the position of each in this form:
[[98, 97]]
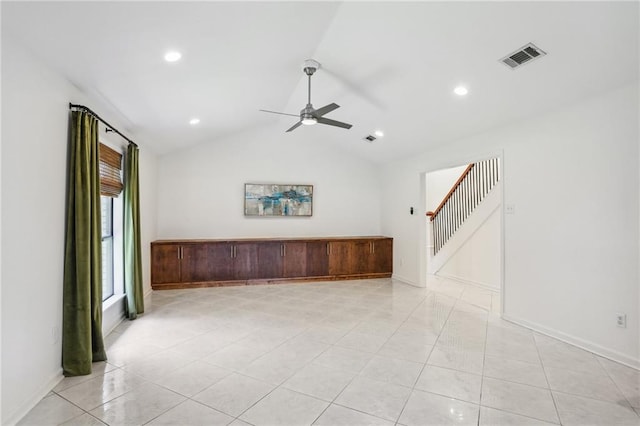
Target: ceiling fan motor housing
[[307, 115], [310, 66]]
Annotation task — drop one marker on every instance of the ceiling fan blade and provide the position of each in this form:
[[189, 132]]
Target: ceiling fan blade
[[295, 126], [330, 122], [281, 113], [325, 110]]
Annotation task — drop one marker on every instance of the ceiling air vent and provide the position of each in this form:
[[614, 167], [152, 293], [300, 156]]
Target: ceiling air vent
[[523, 55], [369, 138]]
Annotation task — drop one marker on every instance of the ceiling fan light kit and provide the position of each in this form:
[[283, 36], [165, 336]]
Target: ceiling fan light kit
[[308, 120], [309, 115]]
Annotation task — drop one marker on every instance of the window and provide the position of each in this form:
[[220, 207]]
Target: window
[[111, 214], [106, 205]]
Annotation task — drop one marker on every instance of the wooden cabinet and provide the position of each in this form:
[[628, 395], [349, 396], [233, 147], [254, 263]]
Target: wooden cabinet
[[245, 260], [340, 257], [221, 263], [381, 260], [165, 263], [281, 259], [185, 263], [349, 257], [269, 259], [363, 256], [317, 259], [196, 262], [294, 259]]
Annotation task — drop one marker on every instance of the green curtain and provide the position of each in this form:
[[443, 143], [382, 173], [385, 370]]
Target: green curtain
[[82, 341], [132, 246]]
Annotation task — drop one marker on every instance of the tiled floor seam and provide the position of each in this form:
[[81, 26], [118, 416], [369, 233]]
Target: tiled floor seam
[[99, 405], [426, 360], [358, 375], [546, 377], [616, 384], [276, 388], [484, 361], [630, 407], [333, 402]]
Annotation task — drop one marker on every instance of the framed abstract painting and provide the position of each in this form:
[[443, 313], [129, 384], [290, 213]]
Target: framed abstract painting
[[277, 200]]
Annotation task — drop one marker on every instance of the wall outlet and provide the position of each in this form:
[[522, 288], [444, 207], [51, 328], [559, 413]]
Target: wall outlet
[[621, 320], [510, 209], [401, 262]]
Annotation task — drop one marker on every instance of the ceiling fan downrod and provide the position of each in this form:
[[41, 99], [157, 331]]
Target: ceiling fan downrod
[[309, 70], [306, 115]]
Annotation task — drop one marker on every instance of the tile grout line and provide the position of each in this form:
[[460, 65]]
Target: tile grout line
[[404, 406], [358, 374], [615, 383], [484, 362], [280, 384], [544, 370]]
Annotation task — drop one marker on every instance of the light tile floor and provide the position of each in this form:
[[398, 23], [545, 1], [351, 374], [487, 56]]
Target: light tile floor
[[367, 352]]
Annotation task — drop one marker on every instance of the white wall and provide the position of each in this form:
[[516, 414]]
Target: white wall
[[147, 175], [478, 260], [571, 248], [439, 183], [35, 118], [201, 190]]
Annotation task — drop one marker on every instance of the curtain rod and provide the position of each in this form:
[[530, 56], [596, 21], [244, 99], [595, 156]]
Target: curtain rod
[[109, 126]]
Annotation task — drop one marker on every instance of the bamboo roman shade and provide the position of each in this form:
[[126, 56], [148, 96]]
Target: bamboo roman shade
[[110, 166]]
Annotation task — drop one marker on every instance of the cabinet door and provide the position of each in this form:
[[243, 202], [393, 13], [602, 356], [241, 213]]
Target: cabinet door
[[294, 260], [340, 262], [197, 262], [360, 256], [382, 259], [165, 261], [317, 259], [245, 260], [351, 257], [270, 255], [221, 261]]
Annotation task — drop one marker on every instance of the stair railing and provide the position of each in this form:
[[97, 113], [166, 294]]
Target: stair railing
[[469, 190]]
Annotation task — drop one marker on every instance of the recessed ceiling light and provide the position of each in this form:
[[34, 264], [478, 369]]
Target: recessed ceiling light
[[172, 56], [460, 91], [379, 133], [194, 121]]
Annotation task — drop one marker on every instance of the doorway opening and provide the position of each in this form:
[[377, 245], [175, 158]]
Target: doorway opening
[[463, 232]]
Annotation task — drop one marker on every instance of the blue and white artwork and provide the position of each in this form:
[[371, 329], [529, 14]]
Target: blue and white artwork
[[277, 200]]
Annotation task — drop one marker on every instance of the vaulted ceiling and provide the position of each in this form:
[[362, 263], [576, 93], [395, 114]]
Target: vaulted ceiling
[[389, 65]]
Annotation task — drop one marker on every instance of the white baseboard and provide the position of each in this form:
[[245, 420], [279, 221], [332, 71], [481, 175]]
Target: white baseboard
[[405, 280], [28, 405], [485, 286], [576, 341]]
